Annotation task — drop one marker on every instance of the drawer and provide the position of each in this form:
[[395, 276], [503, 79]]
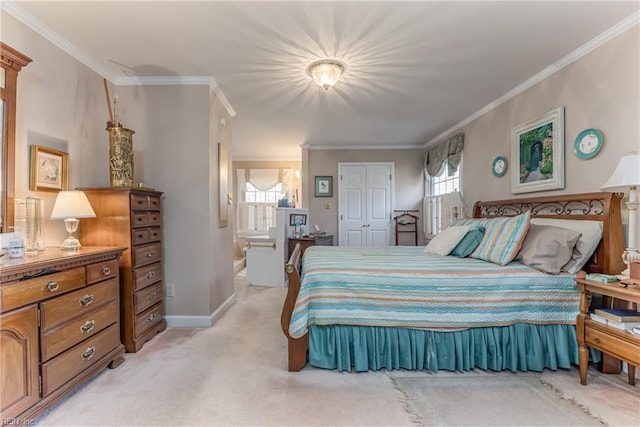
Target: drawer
[[77, 303], [139, 219], [55, 341], [139, 236], [145, 276], [146, 254], [148, 318], [67, 365], [624, 347], [28, 291], [145, 235], [147, 297], [155, 218], [139, 202], [154, 203], [102, 270], [154, 234]]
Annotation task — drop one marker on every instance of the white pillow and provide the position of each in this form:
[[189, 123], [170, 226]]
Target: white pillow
[[446, 240], [587, 244]]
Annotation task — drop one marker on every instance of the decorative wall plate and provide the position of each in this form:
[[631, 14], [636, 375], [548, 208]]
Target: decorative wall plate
[[588, 144], [499, 166]]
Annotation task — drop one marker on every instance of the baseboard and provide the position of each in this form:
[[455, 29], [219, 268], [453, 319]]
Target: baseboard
[[200, 321]]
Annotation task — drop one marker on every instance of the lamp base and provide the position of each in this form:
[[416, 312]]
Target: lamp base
[[71, 244], [628, 255]]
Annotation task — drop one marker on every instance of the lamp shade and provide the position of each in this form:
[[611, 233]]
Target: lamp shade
[[454, 199], [626, 175], [72, 204]]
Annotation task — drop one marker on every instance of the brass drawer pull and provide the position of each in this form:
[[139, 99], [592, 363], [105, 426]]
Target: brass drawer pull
[[106, 270], [149, 254], [596, 340], [88, 353], [52, 286], [151, 296], [152, 316], [86, 300], [151, 274], [88, 327]]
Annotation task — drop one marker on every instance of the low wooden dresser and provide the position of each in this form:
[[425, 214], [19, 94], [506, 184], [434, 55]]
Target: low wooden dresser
[[59, 325], [132, 218], [620, 344]]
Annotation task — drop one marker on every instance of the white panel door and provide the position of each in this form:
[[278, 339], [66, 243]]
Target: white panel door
[[379, 205], [353, 203], [365, 204]]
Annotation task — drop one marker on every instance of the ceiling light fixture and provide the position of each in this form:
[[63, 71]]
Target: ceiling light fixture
[[326, 72]]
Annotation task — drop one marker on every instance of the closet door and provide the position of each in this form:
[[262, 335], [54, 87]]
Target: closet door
[[353, 204], [379, 205], [365, 204]]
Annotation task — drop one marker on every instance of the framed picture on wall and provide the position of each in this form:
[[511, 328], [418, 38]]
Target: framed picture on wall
[[537, 154], [324, 186], [48, 169]]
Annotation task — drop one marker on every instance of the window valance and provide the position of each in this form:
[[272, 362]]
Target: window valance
[[264, 179], [449, 150]]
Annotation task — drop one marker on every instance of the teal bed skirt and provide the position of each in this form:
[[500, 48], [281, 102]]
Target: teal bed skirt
[[520, 347]]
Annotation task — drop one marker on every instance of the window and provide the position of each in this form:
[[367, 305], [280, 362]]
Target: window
[[258, 192], [444, 183], [438, 211]]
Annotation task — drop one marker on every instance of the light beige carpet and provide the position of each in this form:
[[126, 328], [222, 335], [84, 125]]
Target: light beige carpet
[[519, 400], [234, 374]]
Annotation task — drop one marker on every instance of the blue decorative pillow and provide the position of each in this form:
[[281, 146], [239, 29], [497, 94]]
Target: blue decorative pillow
[[468, 243]]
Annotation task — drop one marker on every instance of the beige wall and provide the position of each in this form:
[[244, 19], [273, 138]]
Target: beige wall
[[408, 183], [600, 90], [61, 103], [177, 131]]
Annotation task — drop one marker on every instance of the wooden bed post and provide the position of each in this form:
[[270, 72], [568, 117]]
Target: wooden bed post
[[297, 346]]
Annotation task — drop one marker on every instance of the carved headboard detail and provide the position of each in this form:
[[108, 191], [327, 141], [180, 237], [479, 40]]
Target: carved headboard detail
[[604, 207]]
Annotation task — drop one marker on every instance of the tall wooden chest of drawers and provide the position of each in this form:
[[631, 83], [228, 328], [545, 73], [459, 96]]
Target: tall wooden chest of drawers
[[59, 326], [132, 218]]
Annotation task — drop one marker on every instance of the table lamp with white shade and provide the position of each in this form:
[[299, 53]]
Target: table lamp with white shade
[[626, 178], [70, 206]]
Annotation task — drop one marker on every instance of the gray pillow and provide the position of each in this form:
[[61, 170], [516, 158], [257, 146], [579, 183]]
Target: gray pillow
[[547, 248]]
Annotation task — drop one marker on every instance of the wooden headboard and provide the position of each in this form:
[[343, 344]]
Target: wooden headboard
[[603, 207]]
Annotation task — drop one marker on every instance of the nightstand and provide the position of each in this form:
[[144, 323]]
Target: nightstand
[[309, 241], [620, 344]]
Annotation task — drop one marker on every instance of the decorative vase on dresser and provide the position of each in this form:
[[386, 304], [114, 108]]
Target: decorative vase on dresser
[[132, 217], [59, 326]]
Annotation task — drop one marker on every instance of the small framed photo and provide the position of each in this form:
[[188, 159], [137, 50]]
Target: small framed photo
[[300, 219], [49, 169], [324, 186]]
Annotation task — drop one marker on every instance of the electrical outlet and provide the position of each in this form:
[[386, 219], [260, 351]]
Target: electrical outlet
[[171, 290]]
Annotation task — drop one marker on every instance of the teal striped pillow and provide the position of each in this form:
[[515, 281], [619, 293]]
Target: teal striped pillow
[[502, 239]]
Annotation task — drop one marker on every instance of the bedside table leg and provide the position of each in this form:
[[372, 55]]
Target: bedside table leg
[[583, 353], [632, 374]]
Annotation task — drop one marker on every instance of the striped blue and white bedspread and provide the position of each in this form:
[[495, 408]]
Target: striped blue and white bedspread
[[400, 286]]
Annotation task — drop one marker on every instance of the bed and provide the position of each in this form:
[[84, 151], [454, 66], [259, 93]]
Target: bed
[[399, 308]]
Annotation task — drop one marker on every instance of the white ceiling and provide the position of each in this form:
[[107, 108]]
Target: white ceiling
[[415, 69]]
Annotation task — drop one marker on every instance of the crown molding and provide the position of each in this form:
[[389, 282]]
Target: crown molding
[[162, 81], [361, 147], [46, 32], [598, 41]]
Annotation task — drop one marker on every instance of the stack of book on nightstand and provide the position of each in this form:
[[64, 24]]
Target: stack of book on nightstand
[[625, 320]]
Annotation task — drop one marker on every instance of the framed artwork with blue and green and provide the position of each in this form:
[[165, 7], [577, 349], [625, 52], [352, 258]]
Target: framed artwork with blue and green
[[537, 154]]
